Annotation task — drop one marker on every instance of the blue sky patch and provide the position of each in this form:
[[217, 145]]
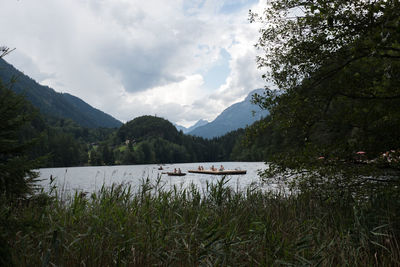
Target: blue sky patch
[[215, 76], [236, 5]]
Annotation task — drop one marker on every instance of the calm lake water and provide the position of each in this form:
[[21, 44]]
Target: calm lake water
[[90, 179]]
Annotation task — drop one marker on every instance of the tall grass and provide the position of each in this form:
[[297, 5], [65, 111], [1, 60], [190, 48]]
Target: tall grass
[[189, 227]]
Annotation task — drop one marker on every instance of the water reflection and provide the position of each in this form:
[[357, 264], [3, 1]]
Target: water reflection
[[90, 179]]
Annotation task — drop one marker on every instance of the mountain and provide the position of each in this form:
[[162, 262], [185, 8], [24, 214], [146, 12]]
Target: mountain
[[52, 103], [197, 124], [239, 115], [180, 128], [191, 128]]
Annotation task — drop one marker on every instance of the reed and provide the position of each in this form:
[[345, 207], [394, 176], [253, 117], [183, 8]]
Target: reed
[[118, 226]]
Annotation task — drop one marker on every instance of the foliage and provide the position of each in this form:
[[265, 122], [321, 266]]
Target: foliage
[[215, 226], [301, 36], [336, 67], [5, 51], [16, 175]]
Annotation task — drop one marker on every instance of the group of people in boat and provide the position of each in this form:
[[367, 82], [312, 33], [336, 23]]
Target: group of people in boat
[[177, 170], [221, 168], [200, 168]]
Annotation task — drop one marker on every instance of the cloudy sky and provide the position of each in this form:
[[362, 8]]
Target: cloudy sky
[[182, 60]]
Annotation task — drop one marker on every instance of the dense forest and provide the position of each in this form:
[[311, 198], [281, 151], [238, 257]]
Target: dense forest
[[62, 142]]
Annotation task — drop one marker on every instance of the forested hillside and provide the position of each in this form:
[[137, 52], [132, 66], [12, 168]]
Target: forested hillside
[[150, 139], [144, 140], [50, 102]]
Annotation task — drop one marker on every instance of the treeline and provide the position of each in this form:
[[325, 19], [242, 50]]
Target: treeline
[[149, 139], [62, 143]]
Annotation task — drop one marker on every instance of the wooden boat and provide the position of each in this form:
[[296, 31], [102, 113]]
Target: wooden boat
[[176, 173], [217, 172]]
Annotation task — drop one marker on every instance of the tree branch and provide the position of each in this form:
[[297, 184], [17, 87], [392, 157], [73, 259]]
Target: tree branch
[[370, 97], [5, 51]]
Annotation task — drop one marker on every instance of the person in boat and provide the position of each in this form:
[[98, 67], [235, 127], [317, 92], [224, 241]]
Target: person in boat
[[179, 171], [199, 168], [160, 168], [221, 168], [213, 168], [175, 170]]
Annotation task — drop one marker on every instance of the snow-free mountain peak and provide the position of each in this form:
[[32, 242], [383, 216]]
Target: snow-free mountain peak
[[191, 128], [238, 115]]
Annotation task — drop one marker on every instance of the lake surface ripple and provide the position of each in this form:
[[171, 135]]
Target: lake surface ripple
[[91, 179]]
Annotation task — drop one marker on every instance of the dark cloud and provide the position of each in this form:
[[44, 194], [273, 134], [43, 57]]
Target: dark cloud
[[139, 70], [130, 58]]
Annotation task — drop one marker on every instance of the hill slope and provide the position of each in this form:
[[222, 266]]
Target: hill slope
[[56, 104], [145, 127], [237, 116]]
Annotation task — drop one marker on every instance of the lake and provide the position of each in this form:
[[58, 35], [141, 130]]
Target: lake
[[91, 179]]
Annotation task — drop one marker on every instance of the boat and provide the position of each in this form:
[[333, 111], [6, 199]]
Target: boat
[[217, 172], [176, 173]]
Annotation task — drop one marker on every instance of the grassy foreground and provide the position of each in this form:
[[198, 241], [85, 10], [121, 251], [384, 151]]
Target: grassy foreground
[[115, 227]]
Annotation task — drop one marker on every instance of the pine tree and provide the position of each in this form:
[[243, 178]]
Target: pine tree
[[16, 169]]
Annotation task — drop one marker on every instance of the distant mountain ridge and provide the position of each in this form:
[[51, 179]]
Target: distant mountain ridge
[[197, 124], [238, 115], [191, 128], [52, 103]]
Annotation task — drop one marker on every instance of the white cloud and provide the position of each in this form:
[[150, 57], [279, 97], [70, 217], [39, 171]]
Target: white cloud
[[130, 58]]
